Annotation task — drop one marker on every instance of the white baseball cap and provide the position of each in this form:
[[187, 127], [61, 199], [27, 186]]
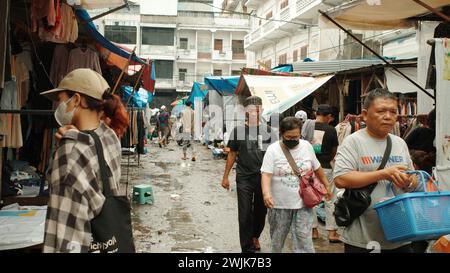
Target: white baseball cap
[[82, 80], [301, 115]]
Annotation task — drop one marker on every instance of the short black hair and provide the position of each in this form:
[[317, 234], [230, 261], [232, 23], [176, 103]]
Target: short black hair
[[290, 123], [376, 94], [424, 160], [188, 103], [252, 100], [324, 110]]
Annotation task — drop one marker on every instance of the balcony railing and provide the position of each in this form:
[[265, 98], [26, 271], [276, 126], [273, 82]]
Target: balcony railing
[[222, 55], [285, 14], [268, 26], [247, 40], [204, 55], [239, 56], [301, 4], [205, 14], [165, 83], [256, 34]]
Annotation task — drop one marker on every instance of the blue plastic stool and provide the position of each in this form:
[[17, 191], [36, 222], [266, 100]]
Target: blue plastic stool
[[143, 194]]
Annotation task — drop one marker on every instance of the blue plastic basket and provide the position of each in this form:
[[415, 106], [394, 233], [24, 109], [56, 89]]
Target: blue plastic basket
[[415, 216]]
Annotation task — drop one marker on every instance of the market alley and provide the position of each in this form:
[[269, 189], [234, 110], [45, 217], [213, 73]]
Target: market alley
[[191, 212]]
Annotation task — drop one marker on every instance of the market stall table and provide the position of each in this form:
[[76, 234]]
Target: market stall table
[[22, 228]]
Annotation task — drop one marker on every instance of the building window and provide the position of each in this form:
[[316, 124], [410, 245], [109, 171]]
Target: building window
[[303, 52], [295, 55], [284, 4], [182, 74], [218, 45], [217, 72], [235, 72], [238, 46], [269, 15], [164, 69], [158, 36], [282, 59], [183, 43], [121, 34]]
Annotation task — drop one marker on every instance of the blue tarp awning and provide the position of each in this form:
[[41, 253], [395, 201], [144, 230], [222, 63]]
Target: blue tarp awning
[[140, 98], [84, 16], [198, 90], [224, 85], [283, 68]]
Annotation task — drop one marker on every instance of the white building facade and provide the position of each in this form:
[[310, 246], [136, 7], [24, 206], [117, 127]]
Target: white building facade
[[186, 39], [287, 31]]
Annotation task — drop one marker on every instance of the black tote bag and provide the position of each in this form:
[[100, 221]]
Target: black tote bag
[[111, 229]]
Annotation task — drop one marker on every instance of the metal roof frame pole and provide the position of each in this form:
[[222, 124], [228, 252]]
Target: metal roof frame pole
[[341, 86], [376, 54], [433, 10], [109, 12], [136, 83], [123, 71]]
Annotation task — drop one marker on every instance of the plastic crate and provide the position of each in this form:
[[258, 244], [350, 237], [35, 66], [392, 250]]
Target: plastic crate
[[415, 216]]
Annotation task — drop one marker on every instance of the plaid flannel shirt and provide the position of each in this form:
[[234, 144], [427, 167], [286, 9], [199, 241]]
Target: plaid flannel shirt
[[75, 188]]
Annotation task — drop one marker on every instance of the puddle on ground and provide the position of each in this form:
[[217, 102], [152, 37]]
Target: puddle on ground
[[184, 231]]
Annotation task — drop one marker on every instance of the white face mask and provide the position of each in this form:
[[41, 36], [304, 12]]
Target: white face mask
[[62, 117]]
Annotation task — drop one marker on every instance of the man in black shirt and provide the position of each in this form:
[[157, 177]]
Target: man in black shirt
[[247, 145], [325, 144]]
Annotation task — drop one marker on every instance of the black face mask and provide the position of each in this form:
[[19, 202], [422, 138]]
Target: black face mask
[[291, 143]]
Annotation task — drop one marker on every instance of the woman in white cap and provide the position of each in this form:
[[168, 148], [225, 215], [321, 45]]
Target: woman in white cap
[[75, 195]]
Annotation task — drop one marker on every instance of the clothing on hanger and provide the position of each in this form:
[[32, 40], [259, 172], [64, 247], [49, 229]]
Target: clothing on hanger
[[45, 13], [58, 68], [87, 58], [343, 130], [66, 31]]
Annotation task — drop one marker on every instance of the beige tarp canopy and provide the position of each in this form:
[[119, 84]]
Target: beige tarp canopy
[[379, 14], [280, 93]]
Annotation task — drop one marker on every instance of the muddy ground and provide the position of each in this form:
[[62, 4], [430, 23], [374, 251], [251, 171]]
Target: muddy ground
[[191, 212]]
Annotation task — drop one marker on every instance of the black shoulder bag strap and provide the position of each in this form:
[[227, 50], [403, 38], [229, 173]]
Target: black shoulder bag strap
[[387, 153], [384, 161], [290, 159], [105, 172]]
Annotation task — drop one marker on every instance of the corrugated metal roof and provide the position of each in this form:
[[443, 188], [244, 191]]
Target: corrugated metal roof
[[333, 66]]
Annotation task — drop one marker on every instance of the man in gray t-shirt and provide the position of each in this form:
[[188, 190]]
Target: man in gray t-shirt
[[357, 161]]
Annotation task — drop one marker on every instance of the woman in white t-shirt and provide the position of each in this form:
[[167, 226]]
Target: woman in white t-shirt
[[280, 188]]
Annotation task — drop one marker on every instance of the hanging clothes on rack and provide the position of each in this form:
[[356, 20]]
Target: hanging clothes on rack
[[351, 124], [13, 97], [135, 134], [83, 58], [59, 64], [67, 29], [45, 14]]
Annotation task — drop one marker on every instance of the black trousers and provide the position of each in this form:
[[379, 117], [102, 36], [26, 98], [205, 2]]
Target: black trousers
[[251, 211], [354, 249]]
